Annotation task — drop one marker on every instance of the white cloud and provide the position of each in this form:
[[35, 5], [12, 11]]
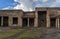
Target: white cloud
[[19, 6], [5, 8], [44, 0], [56, 4], [26, 5], [22, 7], [16, 0], [41, 0], [29, 5], [9, 7]]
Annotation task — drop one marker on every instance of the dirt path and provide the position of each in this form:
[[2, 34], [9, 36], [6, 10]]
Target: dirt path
[[52, 34]]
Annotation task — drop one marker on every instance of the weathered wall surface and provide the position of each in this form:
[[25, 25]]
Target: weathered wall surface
[[51, 12], [11, 14]]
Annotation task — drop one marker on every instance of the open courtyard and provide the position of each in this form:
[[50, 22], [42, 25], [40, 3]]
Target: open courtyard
[[29, 33]]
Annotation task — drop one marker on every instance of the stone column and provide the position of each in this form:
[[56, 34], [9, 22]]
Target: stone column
[[57, 23], [20, 21], [28, 22], [36, 22], [2, 21], [36, 19], [20, 18], [10, 21], [48, 19]]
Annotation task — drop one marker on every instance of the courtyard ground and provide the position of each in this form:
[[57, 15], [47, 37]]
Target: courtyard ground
[[29, 33]]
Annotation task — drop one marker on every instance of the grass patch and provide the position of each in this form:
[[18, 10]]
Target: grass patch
[[32, 33], [8, 33], [28, 32]]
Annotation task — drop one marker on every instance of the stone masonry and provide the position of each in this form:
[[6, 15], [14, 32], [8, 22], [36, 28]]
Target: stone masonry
[[19, 18]]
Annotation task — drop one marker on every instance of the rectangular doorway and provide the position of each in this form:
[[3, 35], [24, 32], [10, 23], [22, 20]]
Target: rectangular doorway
[[5, 21], [42, 18], [31, 22], [53, 22], [24, 22]]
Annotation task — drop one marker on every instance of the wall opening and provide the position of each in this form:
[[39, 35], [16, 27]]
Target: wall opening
[[53, 22], [15, 20], [31, 22], [42, 18], [24, 22], [5, 21]]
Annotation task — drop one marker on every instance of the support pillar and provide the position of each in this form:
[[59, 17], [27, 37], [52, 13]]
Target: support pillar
[[20, 21], [2, 21], [36, 19], [28, 22], [10, 21], [57, 23], [48, 19]]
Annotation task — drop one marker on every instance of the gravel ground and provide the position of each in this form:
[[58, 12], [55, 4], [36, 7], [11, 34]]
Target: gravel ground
[[52, 34]]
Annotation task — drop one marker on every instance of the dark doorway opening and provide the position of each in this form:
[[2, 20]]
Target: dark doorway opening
[[53, 22], [31, 22], [15, 20], [5, 21], [42, 18], [0, 20], [24, 23]]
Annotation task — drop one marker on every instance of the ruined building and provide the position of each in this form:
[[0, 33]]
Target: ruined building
[[41, 17]]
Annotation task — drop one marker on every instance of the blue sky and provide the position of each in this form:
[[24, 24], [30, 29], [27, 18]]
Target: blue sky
[[28, 5], [6, 3]]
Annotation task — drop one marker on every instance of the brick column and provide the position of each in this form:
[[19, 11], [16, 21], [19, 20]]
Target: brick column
[[28, 22], [2, 21], [48, 19]]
